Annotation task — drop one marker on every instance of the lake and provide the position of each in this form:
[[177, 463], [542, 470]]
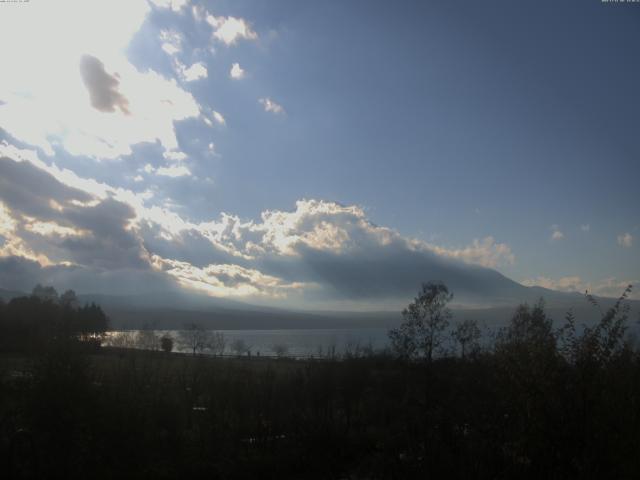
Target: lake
[[304, 343]]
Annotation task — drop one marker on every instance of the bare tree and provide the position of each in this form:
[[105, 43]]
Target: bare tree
[[467, 335], [217, 343], [425, 321], [147, 340], [195, 338]]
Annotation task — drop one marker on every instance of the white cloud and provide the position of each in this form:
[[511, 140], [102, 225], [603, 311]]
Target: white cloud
[[12, 244], [608, 287], [270, 106], [194, 72], [485, 252], [625, 240], [171, 42], [585, 228], [612, 287], [173, 171], [236, 71], [226, 280], [217, 116], [229, 29], [563, 284], [175, 5], [52, 229], [556, 234], [46, 102], [175, 156], [199, 12]]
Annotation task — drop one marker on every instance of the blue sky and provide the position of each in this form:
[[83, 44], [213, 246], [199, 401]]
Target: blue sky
[[495, 133]]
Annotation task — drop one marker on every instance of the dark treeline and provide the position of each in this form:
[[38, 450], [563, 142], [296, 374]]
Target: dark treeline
[[543, 401], [29, 324]]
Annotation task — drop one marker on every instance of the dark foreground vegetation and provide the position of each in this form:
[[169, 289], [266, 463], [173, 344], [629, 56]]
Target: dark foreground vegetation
[[540, 402]]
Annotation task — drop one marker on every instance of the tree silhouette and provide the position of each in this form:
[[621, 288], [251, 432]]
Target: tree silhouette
[[69, 299], [166, 343], [467, 335], [197, 339], [46, 293], [425, 321]]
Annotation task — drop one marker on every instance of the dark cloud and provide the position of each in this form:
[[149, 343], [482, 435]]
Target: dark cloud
[[29, 190], [188, 246], [103, 240], [391, 271], [19, 273], [334, 248], [103, 88], [111, 244]]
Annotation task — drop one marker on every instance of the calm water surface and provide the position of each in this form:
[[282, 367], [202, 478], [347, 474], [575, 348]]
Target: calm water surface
[[297, 343]]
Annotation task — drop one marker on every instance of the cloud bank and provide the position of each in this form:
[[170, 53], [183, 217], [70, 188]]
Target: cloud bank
[[56, 225]]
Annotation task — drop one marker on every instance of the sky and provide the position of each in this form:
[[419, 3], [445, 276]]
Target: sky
[[318, 154]]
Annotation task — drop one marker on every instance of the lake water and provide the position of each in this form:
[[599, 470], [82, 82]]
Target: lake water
[[296, 343]]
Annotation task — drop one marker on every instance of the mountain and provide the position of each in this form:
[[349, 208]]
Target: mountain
[[479, 293], [174, 312]]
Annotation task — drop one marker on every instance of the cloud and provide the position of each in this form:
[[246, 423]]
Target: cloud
[[585, 228], [199, 12], [175, 5], [270, 106], [65, 225], [174, 171], [229, 30], [236, 71], [195, 72], [319, 250], [23, 274], [556, 233], [485, 252], [563, 284], [217, 116], [103, 88], [612, 287], [608, 287], [175, 156], [335, 249], [625, 240], [52, 229], [171, 42], [226, 280], [45, 99]]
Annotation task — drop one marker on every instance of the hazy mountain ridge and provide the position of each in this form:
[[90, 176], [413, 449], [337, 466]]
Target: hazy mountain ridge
[[172, 310]]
